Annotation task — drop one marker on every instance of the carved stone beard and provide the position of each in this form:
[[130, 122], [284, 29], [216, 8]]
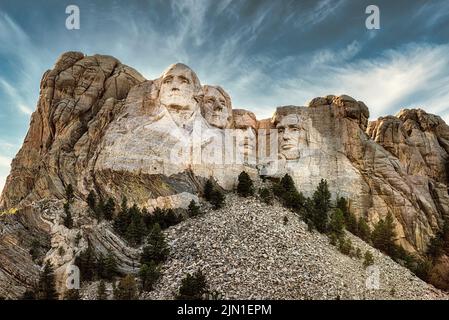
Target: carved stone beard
[[183, 116]]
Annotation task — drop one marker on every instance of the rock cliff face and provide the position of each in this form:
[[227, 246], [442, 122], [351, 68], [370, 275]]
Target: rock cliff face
[[99, 125]]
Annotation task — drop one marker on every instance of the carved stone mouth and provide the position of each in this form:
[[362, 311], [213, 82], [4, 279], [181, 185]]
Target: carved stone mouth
[[287, 146]]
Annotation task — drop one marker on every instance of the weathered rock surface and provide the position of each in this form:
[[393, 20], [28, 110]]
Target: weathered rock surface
[[99, 125]]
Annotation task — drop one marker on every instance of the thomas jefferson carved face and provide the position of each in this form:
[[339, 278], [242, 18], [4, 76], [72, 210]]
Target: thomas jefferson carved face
[[216, 108], [291, 136], [179, 90]]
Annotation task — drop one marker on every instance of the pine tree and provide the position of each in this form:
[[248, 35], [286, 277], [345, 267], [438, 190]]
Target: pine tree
[[136, 229], [101, 291], [193, 287], [67, 220], [245, 185], [86, 262], [123, 219], [337, 223], [34, 250], [100, 265], [109, 209], [217, 199], [47, 285], [99, 210], [368, 259], [321, 205], [149, 274], [126, 289], [265, 195], [157, 249], [383, 235], [208, 189], [92, 200], [69, 193], [110, 268], [193, 209], [364, 231]]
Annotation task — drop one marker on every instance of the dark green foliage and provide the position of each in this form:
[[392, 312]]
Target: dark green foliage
[[193, 287], [67, 220], [337, 223], [46, 289], [126, 289], [436, 246], [345, 246], [69, 193], [164, 217], [123, 219], [352, 224], [149, 274], [368, 259], [208, 188], [101, 291], [363, 230], [72, 294], [245, 185], [34, 250], [383, 236], [422, 268], [217, 199], [110, 267], [193, 210], [86, 262], [92, 200], [157, 249], [109, 209], [287, 193], [266, 195], [136, 229], [321, 206]]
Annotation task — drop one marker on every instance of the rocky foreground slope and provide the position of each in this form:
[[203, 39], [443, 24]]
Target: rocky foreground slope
[[246, 251]]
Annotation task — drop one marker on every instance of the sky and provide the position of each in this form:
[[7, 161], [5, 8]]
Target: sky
[[264, 53]]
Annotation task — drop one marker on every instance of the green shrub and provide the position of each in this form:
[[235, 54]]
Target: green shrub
[[368, 259], [245, 185], [157, 249], [193, 287], [149, 274]]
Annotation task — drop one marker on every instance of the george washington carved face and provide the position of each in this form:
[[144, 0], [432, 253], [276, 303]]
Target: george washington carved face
[[291, 135], [179, 91], [216, 108]]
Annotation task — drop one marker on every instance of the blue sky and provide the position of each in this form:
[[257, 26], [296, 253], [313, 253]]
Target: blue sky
[[264, 53]]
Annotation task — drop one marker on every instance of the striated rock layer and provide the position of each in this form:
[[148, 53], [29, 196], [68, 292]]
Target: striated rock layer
[[99, 125]]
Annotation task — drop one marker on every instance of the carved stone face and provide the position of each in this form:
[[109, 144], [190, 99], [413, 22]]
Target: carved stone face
[[292, 136], [245, 130], [246, 142], [216, 107], [178, 90]]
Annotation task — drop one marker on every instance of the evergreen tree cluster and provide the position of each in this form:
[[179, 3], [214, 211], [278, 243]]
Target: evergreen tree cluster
[[153, 255], [100, 209], [134, 224], [213, 195], [96, 266], [46, 286]]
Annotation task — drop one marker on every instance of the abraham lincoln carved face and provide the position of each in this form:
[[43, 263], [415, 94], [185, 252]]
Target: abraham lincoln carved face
[[292, 136]]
